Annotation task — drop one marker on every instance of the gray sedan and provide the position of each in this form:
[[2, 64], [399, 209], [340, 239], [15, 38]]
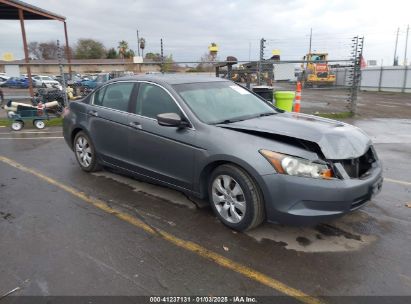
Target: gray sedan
[[215, 140]]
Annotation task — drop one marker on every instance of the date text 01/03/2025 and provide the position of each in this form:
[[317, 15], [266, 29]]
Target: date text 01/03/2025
[[203, 299]]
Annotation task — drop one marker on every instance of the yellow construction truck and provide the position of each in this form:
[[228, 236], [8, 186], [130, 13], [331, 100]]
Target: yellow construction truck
[[316, 71]]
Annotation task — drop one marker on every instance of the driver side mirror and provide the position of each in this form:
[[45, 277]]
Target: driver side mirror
[[171, 120]]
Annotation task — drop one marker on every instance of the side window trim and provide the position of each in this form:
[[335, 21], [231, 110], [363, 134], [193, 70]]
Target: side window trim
[[94, 95], [132, 103], [172, 97]]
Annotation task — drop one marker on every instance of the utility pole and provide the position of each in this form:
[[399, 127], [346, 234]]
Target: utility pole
[[63, 80], [138, 44], [311, 38], [249, 51], [406, 45], [395, 50], [260, 63], [162, 55]]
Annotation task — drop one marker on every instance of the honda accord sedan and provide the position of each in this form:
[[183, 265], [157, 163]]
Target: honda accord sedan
[[215, 140]]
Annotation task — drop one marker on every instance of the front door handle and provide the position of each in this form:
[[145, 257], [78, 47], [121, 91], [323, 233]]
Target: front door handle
[[135, 125], [93, 113]]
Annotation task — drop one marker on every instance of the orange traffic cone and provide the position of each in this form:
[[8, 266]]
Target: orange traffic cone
[[297, 102]]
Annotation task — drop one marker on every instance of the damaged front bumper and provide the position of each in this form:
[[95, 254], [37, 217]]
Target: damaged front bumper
[[301, 200]]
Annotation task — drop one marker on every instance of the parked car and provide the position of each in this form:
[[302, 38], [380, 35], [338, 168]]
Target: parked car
[[86, 81], [94, 81], [3, 80], [4, 76], [215, 140], [46, 82], [17, 82]]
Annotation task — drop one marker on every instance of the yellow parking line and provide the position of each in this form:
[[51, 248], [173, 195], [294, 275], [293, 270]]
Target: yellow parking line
[[397, 181], [43, 137], [187, 245]]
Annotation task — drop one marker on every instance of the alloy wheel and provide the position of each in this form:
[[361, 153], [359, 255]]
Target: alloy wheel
[[228, 198], [83, 151]]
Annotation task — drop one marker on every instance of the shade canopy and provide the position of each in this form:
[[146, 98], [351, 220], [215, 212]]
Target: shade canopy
[[9, 10], [18, 10]]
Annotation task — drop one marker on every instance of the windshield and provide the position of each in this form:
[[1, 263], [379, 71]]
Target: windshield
[[46, 78], [317, 57], [219, 102]]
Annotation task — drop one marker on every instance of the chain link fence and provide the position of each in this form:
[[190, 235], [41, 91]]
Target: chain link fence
[[330, 85]]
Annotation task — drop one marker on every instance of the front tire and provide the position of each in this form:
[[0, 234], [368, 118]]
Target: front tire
[[85, 153], [235, 198]]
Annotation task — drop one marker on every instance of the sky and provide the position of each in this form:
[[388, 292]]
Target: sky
[[188, 27]]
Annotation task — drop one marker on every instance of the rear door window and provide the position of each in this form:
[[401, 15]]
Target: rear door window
[[114, 96]]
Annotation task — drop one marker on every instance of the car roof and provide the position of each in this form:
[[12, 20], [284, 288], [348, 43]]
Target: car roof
[[172, 79]]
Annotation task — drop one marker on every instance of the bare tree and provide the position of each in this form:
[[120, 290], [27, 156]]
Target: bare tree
[[205, 65], [48, 50], [34, 51]]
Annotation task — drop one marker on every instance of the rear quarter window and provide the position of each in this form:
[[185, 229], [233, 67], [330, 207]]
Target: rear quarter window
[[98, 97]]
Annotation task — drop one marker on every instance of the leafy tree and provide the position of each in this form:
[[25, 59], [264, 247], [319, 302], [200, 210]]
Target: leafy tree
[[112, 54], [169, 64], [129, 54], [153, 56], [90, 49]]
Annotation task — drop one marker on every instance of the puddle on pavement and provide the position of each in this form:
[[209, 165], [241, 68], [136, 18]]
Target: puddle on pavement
[[344, 234], [6, 216], [348, 233], [164, 193]]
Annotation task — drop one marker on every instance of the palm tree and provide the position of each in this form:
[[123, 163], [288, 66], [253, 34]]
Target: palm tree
[[142, 45], [122, 48]]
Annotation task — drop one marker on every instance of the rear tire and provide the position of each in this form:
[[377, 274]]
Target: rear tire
[[85, 153], [39, 124], [236, 198], [17, 125]]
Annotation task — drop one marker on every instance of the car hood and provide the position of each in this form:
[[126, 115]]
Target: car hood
[[336, 140]]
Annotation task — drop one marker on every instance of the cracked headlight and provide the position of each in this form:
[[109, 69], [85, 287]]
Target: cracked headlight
[[292, 165]]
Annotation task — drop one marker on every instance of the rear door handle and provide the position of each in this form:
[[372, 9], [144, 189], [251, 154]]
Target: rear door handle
[[93, 113], [135, 125]]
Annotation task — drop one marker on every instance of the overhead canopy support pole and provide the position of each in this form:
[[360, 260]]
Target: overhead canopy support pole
[[67, 49], [26, 51]]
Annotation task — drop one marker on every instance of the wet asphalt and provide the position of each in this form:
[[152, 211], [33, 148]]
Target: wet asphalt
[[52, 243]]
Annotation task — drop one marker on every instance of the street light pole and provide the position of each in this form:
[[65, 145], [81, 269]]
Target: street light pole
[[406, 45], [395, 50], [138, 44]]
